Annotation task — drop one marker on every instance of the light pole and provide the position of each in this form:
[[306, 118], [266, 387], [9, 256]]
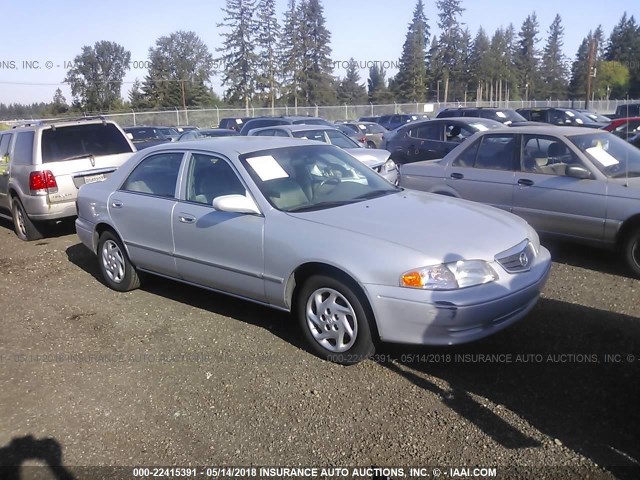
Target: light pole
[[526, 92], [438, 90]]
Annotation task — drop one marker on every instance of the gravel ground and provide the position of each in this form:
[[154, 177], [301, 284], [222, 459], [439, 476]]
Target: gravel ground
[[177, 376]]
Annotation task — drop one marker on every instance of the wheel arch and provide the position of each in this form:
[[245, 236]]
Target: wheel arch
[[306, 270], [627, 227]]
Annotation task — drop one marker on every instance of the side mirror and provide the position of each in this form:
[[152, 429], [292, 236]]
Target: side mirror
[[235, 204], [577, 171]]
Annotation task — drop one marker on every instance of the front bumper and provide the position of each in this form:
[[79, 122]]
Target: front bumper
[[414, 316]]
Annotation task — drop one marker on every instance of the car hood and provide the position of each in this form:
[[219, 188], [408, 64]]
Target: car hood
[[439, 227], [371, 157]]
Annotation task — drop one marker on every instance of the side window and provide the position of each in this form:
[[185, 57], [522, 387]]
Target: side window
[[280, 133], [23, 151], [5, 141], [428, 132], [210, 177], [468, 157], [156, 175], [456, 133], [546, 155], [538, 116], [264, 133], [496, 152]]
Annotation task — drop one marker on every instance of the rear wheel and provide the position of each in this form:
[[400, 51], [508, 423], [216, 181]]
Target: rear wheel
[[371, 145], [116, 268], [26, 229], [631, 251], [334, 321]]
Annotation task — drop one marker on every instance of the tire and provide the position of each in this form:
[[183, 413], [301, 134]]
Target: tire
[[371, 145], [631, 251], [117, 270], [26, 229], [341, 335]]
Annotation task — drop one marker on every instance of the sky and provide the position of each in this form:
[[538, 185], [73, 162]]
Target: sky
[[40, 39]]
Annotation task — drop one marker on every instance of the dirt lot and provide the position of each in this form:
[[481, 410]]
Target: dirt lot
[[177, 376]]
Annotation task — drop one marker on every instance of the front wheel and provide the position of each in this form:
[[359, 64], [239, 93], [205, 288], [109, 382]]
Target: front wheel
[[334, 321], [26, 229], [116, 268], [631, 251]]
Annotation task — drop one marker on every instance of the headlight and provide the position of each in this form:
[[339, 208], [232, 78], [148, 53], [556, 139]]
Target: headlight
[[389, 166], [450, 276]]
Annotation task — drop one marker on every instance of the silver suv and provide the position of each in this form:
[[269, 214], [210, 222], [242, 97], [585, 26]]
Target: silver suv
[[43, 164]]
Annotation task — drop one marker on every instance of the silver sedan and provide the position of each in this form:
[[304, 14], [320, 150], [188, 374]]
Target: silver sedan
[[304, 227], [573, 183]]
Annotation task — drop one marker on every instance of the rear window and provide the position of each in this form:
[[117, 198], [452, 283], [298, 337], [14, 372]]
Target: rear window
[[373, 128], [77, 141]]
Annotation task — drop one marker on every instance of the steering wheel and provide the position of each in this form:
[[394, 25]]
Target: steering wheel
[[335, 181]]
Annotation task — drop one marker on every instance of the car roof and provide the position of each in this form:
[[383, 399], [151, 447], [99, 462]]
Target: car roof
[[234, 145], [299, 127], [549, 130]]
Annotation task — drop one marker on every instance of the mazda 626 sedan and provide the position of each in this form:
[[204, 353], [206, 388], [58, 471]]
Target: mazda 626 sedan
[[305, 227]]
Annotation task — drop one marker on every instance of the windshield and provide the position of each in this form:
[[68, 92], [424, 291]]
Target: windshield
[[373, 128], [503, 116], [611, 155], [481, 125], [313, 177], [596, 117]]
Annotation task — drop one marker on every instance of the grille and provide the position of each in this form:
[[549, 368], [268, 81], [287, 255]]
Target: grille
[[518, 258]]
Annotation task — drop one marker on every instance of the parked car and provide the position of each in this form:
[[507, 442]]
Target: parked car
[[378, 160], [305, 228], [149, 136], [233, 123], [563, 117], [391, 122], [624, 127], [206, 133], [373, 118], [435, 138], [42, 165], [186, 128], [577, 184], [507, 116], [627, 110], [595, 116], [372, 132], [354, 135], [286, 120]]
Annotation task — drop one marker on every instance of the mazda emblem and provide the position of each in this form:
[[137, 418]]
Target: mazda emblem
[[524, 259]]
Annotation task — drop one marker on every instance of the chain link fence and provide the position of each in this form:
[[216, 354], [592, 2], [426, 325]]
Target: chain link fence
[[210, 117]]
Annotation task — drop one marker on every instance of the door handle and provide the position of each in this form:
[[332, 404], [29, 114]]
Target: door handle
[[457, 176], [117, 204], [525, 182], [186, 218]]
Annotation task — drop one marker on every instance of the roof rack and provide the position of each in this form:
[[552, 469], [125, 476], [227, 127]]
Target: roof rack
[[36, 123]]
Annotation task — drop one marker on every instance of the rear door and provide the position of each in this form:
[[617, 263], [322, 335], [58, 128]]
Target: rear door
[[142, 211], [426, 142], [484, 171]]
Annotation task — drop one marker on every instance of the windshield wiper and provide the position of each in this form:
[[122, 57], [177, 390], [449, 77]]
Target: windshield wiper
[[375, 194], [319, 206], [78, 157]]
